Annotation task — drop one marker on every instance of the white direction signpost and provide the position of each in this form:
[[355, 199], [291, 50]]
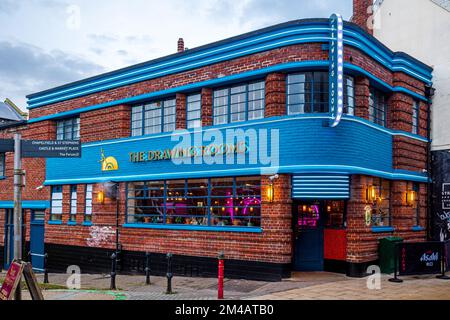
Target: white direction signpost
[[31, 149]]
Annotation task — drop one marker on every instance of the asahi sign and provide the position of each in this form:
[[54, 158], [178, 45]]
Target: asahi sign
[[421, 258]]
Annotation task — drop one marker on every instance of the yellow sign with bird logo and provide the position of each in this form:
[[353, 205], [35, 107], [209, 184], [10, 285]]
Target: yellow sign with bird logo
[[109, 163]]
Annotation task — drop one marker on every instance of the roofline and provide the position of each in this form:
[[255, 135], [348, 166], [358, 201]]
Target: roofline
[[13, 124], [218, 43]]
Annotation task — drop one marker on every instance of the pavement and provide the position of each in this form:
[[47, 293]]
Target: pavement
[[302, 286]]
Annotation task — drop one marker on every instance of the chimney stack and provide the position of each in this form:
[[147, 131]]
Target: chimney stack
[[363, 14], [180, 45]]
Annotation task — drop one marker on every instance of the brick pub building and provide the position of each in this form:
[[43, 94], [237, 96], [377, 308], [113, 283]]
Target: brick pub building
[[338, 190]]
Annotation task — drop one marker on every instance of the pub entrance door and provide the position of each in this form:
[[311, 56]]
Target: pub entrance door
[[308, 236]]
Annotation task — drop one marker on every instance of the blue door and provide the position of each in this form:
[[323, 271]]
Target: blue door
[[37, 230], [309, 237]]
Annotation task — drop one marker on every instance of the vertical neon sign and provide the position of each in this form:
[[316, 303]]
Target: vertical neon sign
[[336, 69]]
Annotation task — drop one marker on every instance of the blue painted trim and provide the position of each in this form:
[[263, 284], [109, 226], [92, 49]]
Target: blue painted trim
[[246, 76], [56, 223], [194, 228], [71, 223], [258, 41], [26, 204], [87, 224], [418, 228], [382, 229]]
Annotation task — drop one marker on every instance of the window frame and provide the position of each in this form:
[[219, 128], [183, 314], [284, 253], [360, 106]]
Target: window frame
[[374, 98], [416, 188], [193, 120], [74, 131], [2, 165], [229, 104], [58, 189], [72, 214], [185, 188], [162, 108], [309, 93], [380, 192], [415, 117], [88, 216]]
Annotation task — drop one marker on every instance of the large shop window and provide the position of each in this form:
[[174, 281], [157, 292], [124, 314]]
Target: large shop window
[[194, 111], [73, 203], [68, 129], [239, 103], [218, 202], [381, 213], [308, 93], [415, 117], [56, 204], [88, 204], [377, 107], [155, 117]]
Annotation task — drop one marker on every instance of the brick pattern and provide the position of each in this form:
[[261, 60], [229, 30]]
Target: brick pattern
[[275, 95], [409, 154], [207, 107], [361, 14], [362, 242], [181, 111]]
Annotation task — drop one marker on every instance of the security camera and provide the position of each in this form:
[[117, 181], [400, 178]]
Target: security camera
[[40, 188], [274, 177]]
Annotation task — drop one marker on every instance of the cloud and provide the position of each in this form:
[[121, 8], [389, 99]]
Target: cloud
[[267, 11], [27, 69], [9, 6]]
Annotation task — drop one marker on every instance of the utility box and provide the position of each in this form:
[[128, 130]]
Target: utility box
[[387, 253]]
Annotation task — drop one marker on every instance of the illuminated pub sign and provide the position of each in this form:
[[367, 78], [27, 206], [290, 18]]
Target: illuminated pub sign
[[191, 152]]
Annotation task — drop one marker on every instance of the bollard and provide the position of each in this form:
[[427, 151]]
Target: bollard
[[147, 268], [169, 274], [45, 268], [443, 275], [221, 258], [113, 271]]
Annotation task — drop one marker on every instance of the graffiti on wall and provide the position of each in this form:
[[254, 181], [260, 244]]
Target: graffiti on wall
[[441, 195], [100, 236]]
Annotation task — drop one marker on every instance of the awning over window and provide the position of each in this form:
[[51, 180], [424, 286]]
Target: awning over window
[[320, 186]]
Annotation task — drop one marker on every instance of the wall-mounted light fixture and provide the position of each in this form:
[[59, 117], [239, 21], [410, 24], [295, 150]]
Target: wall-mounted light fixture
[[411, 197], [270, 192], [371, 194], [101, 197]]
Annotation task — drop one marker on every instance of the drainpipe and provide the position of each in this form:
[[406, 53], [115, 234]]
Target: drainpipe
[[429, 93]]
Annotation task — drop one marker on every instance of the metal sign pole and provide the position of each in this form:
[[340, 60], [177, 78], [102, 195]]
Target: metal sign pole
[[18, 205]]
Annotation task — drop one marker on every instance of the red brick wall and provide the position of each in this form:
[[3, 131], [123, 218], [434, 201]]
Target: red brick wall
[[362, 242], [361, 13], [275, 95]]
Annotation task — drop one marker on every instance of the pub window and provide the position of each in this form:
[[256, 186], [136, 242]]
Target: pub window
[[239, 103], [308, 92], [68, 129], [335, 217], [415, 117], [194, 111], [155, 117], [2, 165], [377, 107], [73, 203], [219, 202], [56, 204], [88, 203], [381, 213]]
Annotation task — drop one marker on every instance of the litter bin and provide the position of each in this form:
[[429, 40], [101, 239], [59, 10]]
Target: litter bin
[[387, 254]]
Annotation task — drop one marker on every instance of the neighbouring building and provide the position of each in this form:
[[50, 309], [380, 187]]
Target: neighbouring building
[[305, 195], [422, 29], [10, 113]]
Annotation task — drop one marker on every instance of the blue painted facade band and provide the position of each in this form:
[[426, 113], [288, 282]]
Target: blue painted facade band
[[297, 32], [305, 145]]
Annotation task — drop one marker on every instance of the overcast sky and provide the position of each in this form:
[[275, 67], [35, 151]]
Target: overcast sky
[[45, 43]]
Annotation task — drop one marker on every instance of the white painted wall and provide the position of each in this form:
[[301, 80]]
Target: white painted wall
[[421, 29]]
